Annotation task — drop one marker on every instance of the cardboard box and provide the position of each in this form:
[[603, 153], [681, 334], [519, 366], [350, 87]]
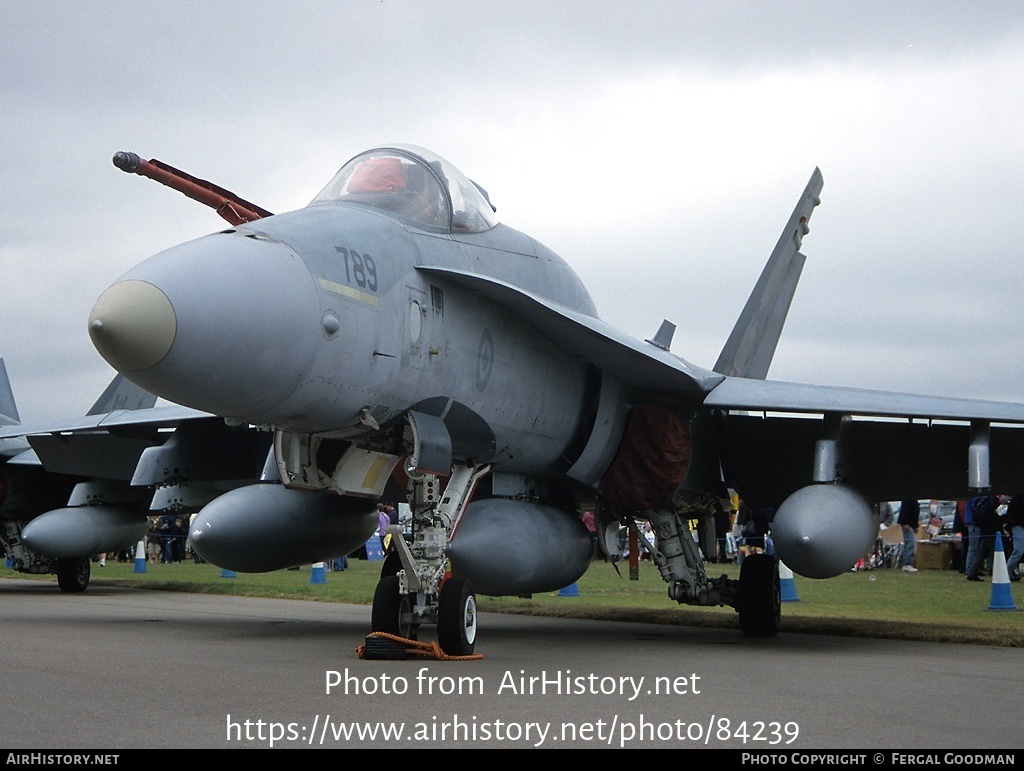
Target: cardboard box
[[891, 534], [935, 555]]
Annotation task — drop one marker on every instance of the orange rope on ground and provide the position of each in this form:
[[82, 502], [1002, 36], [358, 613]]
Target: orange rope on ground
[[425, 649]]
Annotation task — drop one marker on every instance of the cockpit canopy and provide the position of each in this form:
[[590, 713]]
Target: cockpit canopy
[[415, 184]]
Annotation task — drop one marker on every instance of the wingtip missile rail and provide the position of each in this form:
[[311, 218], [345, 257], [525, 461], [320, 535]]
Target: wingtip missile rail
[[231, 207]]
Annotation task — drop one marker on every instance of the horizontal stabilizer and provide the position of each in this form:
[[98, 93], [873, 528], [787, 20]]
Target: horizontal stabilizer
[[750, 348]]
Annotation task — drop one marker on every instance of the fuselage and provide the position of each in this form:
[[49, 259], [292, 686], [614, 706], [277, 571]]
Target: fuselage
[[319, 322]]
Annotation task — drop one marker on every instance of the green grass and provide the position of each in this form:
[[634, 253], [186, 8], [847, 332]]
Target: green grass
[[932, 605]]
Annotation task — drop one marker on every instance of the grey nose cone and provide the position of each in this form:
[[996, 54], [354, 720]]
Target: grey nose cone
[[132, 325]]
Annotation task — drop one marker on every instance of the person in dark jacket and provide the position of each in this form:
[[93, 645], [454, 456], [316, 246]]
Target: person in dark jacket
[[908, 518], [983, 533], [1015, 525]]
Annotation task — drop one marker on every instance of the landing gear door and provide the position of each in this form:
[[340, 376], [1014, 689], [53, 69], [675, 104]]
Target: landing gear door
[[608, 540], [432, 444]]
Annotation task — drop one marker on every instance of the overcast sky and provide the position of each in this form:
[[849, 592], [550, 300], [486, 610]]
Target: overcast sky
[[658, 146]]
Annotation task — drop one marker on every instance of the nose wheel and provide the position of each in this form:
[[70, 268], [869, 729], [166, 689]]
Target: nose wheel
[[392, 611], [456, 617], [415, 586]]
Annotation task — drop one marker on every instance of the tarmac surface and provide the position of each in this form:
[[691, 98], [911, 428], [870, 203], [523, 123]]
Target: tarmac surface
[[133, 669]]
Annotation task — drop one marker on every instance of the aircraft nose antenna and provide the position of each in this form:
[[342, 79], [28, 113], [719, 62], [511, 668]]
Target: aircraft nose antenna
[[132, 325]]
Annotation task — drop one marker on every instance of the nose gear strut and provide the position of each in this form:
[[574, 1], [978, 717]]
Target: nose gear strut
[[416, 586]]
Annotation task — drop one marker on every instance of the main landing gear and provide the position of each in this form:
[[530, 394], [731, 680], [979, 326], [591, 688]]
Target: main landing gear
[[415, 587], [759, 602], [756, 596], [73, 574]]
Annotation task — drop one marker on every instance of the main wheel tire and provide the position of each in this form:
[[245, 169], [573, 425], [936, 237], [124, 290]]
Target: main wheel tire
[[760, 596], [392, 611], [73, 574], [456, 617]]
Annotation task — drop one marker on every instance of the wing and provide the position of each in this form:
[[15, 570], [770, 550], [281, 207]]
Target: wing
[[771, 455], [776, 396], [151, 418], [890, 445], [106, 443]]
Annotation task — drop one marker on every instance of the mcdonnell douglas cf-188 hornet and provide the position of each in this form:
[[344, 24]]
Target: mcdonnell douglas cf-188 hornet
[[393, 332], [66, 497], [55, 515]]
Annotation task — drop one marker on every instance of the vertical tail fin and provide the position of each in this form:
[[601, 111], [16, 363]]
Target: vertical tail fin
[[122, 394], [749, 350], [8, 407]]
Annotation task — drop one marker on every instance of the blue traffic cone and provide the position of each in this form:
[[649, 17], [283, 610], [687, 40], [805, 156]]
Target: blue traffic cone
[[140, 557], [570, 591], [787, 584], [1001, 597], [225, 573], [318, 575]]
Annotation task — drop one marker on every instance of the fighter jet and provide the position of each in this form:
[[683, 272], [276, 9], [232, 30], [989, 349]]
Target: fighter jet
[[394, 335], [85, 489], [85, 486]]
